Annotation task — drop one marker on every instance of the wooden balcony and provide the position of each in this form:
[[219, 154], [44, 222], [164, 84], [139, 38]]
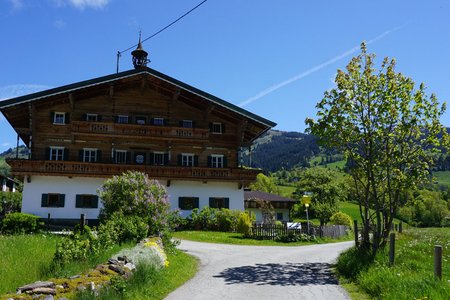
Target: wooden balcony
[[22, 167], [136, 130]]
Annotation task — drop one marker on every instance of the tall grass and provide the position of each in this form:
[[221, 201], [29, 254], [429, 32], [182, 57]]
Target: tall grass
[[412, 275]]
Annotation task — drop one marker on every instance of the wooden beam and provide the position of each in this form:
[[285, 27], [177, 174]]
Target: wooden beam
[[111, 92], [71, 101]]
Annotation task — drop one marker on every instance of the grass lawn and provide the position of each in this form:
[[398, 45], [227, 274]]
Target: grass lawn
[[26, 258], [286, 190], [442, 177], [412, 275], [237, 239]]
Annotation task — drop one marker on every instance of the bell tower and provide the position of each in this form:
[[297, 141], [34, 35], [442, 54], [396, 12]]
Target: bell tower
[[139, 56]]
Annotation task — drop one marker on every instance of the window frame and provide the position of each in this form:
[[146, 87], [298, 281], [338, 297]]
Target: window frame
[[186, 122], [81, 201], [57, 118], [48, 198], [213, 128], [90, 150], [121, 119], [158, 121], [122, 152], [57, 155], [194, 202], [223, 202], [91, 117], [187, 159], [158, 154], [215, 162], [140, 120]]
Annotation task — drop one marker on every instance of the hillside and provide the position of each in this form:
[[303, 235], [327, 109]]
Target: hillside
[[11, 153]]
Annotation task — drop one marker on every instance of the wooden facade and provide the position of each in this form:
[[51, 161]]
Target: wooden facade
[[139, 119]]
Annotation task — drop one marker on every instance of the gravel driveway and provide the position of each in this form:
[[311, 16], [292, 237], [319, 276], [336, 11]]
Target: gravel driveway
[[262, 272]]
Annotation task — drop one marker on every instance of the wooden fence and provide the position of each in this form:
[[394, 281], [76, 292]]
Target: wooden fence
[[270, 232]]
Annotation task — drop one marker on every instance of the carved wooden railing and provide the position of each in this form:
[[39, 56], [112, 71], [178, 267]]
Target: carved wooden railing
[[118, 129], [74, 168]]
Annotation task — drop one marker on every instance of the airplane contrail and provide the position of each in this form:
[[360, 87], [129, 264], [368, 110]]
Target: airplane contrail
[[314, 69]]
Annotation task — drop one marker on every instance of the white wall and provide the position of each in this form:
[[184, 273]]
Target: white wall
[[32, 194]]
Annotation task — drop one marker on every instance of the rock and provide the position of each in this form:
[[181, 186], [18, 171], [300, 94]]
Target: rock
[[130, 266], [37, 284], [74, 276], [117, 269], [124, 259], [42, 290], [91, 286], [49, 297], [113, 261]]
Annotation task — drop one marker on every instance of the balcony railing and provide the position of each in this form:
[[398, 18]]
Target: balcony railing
[[73, 168], [117, 129]]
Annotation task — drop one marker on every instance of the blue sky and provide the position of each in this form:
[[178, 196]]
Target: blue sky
[[274, 58]]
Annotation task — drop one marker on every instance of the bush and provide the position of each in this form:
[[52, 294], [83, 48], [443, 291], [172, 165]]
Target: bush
[[10, 202], [244, 224], [341, 218], [19, 223], [78, 245], [292, 238], [227, 219], [121, 229], [353, 261]]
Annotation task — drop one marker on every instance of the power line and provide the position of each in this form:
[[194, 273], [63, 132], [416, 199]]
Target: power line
[[119, 53]]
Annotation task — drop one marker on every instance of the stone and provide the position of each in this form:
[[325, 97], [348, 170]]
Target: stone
[[35, 285], [124, 259], [42, 290], [130, 266], [92, 286], [74, 276], [49, 297], [117, 269], [113, 261]]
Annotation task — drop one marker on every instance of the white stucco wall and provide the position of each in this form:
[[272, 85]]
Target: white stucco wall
[[32, 194]]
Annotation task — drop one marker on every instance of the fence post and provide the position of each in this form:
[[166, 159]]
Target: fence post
[[82, 222], [396, 227], [400, 227], [355, 227], [438, 262], [391, 248]]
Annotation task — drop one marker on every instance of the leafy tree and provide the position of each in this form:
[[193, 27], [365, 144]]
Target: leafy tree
[[264, 184], [326, 191], [386, 128]]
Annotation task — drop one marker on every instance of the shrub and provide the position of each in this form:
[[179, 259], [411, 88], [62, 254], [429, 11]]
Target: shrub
[[19, 223], [227, 219], [292, 237], [353, 261], [121, 229], [244, 224], [78, 245], [341, 218], [10, 202]]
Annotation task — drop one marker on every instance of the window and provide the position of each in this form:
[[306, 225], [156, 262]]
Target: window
[[92, 117], [187, 160], [59, 118], [121, 157], [89, 155], [279, 216], [187, 203], [139, 158], [122, 119], [187, 124], [158, 158], [52, 200], [216, 128], [141, 120], [217, 161], [86, 201], [56, 153], [158, 121], [219, 202]]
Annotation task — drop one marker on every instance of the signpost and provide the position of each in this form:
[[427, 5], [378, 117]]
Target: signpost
[[306, 200]]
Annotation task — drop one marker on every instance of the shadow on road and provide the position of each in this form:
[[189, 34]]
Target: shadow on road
[[280, 274]]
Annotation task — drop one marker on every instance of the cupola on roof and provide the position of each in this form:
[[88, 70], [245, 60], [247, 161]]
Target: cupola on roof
[[140, 56]]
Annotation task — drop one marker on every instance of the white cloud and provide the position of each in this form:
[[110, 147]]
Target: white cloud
[[16, 5], [16, 90], [59, 24], [6, 144], [82, 4]]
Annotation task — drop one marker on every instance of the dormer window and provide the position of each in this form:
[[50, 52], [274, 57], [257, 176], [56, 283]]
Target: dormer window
[[122, 119], [216, 128], [59, 118]]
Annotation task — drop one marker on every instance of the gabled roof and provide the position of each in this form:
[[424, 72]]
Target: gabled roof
[[257, 195], [113, 77]]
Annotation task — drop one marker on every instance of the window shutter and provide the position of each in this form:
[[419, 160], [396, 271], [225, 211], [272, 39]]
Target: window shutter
[[47, 153], [44, 200], [193, 124], [127, 157], [152, 121], [223, 127], [52, 116], [209, 161], [151, 158], [95, 202], [99, 118], [180, 159], [61, 201], [180, 123], [84, 117], [225, 162], [210, 127], [166, 158], [211, 202], [80, 155], [65, 154], [116, 119], [196, 204], [181, 202], [165, 122], [99, 155], [78, 201], [195, 160], [226, 203], [67, 118]]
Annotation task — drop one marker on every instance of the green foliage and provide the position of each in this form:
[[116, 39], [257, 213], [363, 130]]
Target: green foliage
[[244, 224], [20, 223], [292, 238], [214, 219], [134, 194], [121, 229], [353, 261], [326, 192], [387, 130], [10, 202], [341, 218], [265, 184], [227, 219]]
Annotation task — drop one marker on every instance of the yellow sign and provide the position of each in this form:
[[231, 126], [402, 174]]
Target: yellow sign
[[306, 199]]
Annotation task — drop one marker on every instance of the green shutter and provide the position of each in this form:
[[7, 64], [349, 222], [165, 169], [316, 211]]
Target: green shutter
[[223, 127], [166, 158], [180, 159], [212, 202], [99, 155], [225, 162], [47, 153], [226, 203], [181, 202], [99, 118], [52, 117], [209, 161], [80, 155], [95, 202], [61, 201], [195, 160], [44, 200], [78, 201], [65, 154], [196, 204], [84, 117], [67, 118]]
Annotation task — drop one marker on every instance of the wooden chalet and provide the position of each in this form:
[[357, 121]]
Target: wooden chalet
[[80, 134], [266, 205]]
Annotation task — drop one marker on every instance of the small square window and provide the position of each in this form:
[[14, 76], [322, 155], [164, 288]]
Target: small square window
[[279, 216], [89, 155], [187, 203], [122, 119], [187, 160], [216, 128], [139, 158], [92, 117], [141, 120], [56, 153], [52, 200], [217, 161], [59, 118], [158, 158], [219, 202], [158, 121], [121, 157], [86, 201], [187, 124]]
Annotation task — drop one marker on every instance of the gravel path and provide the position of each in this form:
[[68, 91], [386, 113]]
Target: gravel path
[[262, 272]]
